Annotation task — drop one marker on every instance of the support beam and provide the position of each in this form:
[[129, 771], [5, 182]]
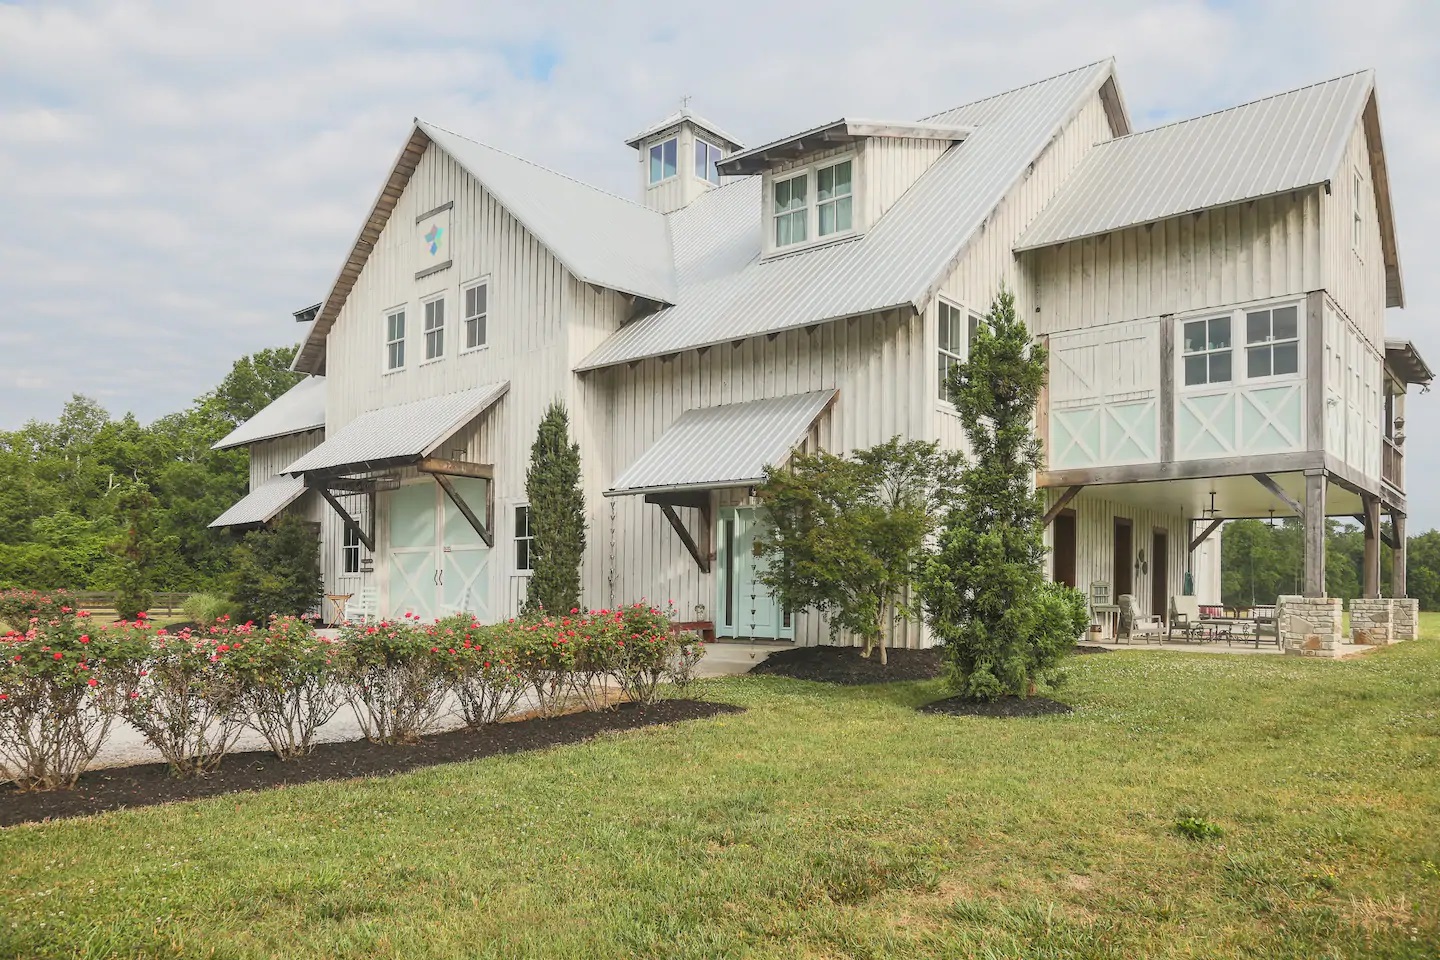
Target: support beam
[[701, 559], [1314, 519], [1210, 528], [1167, 388], [345, 518], [464, 508], [1397, 571], [1370, 567], [1386, 540], [456, 468], [1278, 491], [1062, 503]]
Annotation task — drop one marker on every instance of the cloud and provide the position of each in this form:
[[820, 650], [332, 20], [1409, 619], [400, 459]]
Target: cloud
[[180, 176]]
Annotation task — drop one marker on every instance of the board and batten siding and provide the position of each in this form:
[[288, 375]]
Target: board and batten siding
[[891, 166], [871, 360], [1354, 398], [269, 457], [1355, 277], [1095, 544]]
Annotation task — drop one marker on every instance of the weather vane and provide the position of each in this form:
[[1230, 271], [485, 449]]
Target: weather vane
[[685, 101]]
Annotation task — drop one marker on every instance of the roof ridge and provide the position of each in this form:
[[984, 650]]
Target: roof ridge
[[1241, 106], [1023, 86], [538, 166]]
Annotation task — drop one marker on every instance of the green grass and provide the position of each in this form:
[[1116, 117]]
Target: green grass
[[822, 823]]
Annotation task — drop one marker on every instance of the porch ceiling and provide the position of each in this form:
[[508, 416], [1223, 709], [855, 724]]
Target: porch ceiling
[[1235, 497]]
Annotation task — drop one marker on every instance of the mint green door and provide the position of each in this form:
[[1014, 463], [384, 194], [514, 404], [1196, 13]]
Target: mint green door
[[745, 607], [414, 576], [464, 558]]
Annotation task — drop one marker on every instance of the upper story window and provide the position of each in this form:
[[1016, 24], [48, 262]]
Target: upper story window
[[663, 160], [1357, 221], [791, 211], [815, 203], [834, 194], [524, 539], [395, 340], [435, 328], [706, 156], [957, 331], [1272, 339], [476, 313], [1207, 351], [350, 551]]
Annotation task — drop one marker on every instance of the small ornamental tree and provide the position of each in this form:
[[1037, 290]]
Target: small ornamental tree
[[1003, 627], [847, 534], [557, 516], [135, 549], [277, 571]]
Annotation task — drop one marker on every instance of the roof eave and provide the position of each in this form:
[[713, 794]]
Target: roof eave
[[225, 444], [835, 133], [1384, 204]]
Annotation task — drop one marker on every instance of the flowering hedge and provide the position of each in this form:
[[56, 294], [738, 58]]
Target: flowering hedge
[[19, 607]]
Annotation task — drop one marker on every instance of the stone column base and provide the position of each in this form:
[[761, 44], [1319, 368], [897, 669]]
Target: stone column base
[[1309, 626], [1404, 618], [1371, 620]]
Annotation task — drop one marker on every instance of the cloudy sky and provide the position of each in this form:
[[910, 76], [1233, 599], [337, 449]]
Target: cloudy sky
[[176, 178]]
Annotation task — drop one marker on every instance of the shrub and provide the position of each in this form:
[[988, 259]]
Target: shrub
[[59, 683], [277, 571], [648, 652], [545, 662], [207, 609], [19, 607], [397, 682], [480, 663], [287, 682], [185, 699]]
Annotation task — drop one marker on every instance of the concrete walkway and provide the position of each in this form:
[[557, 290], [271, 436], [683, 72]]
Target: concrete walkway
[[1239, 647]]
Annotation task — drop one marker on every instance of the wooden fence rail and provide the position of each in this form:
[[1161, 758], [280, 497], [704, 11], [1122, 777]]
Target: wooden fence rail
[[168, 603]]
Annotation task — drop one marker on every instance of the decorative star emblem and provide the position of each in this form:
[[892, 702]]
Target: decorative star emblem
[[433, 238]]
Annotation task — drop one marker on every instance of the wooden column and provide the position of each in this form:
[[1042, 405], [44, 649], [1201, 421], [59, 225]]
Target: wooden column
[[1370, 568], [1397, 572], [1315, 533]]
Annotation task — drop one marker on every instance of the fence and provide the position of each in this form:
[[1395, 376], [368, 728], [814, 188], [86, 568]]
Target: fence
[[167, 603]]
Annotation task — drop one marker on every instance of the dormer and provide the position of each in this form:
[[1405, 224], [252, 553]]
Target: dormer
[[834, 181], [677, 159]]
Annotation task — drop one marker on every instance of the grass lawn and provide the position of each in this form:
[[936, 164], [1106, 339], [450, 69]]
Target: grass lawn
[[822, 823]]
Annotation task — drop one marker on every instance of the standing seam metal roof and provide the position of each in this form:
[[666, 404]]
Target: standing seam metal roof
[[412, 429], [262, 503], [298, 409], [725, 446]]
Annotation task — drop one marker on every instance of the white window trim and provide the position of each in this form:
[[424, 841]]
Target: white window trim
[[944, 404], [1239, 365], [661, 144], [1299, 342], [444, 328], [346, 548], [812, 203], [389, 312], [712, 146], [516, 538], [465, 289], [1357, 215]]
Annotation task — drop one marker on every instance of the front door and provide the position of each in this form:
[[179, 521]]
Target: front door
[[439, 565], [1062, 531], [745, 606], [1160, 574], [1123, 574]]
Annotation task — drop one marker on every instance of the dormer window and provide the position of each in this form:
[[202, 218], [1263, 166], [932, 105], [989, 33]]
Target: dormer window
[[791, 210], [663, 160], [834, 194], [706, 156], [815, 203]]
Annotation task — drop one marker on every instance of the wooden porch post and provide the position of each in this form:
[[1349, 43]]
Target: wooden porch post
[[1370, 570], [1315, 533], [1397, 572]]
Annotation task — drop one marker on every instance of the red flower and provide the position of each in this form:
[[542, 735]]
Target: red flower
[[141, 615], [93, 682], [59, 655], [84, 638]]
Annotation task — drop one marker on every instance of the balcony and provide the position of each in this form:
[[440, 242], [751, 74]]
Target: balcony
[[1392, 464]]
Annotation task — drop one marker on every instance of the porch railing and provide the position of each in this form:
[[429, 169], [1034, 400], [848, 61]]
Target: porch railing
[[1392, 464]]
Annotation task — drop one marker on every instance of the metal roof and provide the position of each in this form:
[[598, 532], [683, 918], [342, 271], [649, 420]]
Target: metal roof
[[827, 135], [298, 409], [725, 446], [1403, 357], [1281, 143], [728, 292], [675, 119], [262, 503], [406, 431]]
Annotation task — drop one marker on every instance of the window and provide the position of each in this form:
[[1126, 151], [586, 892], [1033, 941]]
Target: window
[[475, 313], [791, 210], [395, 340], [524, 540], [662, 160], [833, 197], [1357, 222], [706, 156], [350, 552], [1272, 342], [1207, 351], [434, 328], [957, 332]]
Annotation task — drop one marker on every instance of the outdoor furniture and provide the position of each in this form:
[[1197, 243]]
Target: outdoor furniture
[[337, 605], [364, 605], [1185, 619], [1132, 625], [1102, 608]]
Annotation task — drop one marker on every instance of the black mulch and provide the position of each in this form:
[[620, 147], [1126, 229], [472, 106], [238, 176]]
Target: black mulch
[[845, 665], [151, 783], [1003, 707], [1082, 649]]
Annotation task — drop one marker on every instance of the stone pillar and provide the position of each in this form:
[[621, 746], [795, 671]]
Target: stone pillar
[[1309, 626], [1404, 619], [1371, 621]]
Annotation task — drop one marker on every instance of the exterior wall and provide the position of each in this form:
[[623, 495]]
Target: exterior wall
[[1355, 277], [1095, 546], [269, 457], [1354, 398], [1104, 396], [892, 165]]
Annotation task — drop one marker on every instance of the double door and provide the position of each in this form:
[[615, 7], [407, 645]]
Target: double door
[[745, 607], [439, 564]]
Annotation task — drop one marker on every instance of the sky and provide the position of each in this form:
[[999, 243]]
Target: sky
[[176, 179]]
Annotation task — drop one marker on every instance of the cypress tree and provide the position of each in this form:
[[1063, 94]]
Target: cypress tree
[[557, 516]]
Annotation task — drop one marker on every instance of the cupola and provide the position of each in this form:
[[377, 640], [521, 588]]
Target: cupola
[[677, 158]]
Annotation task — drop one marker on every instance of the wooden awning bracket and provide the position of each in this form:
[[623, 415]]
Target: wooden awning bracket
[[367, 537], [698, 547], [1265, 480], [1062, 503], [486, 534]]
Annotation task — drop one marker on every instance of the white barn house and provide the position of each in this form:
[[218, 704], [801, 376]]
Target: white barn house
[[1212, 292]]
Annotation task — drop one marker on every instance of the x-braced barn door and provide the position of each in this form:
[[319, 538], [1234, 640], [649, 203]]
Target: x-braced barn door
[[438, 562]]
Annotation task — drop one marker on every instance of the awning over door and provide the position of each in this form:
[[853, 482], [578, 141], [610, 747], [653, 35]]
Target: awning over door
[[398, 435], [263, 503], [726, 446]]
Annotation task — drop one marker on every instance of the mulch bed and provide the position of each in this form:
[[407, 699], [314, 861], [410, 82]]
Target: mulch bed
[[1003, 707], [845, 665], [148, 784], [1082, 649]]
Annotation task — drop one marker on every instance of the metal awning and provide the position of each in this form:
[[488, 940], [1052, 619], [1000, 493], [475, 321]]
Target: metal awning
[[263, 503], [1402, 357], [726, 446], [398, 435]]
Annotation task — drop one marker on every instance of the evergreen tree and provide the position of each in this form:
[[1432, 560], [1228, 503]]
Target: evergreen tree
[[136, 551], [557, 516], [277, 571], [1003, 626]]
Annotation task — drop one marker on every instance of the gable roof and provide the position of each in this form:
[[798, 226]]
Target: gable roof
[[1286, 142], [727, 292], [298, 409], [602, 239]]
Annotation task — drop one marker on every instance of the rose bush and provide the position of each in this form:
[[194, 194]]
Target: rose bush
[[480, 661], [59, 683], [19, 607], [288, 682], [397, 680]]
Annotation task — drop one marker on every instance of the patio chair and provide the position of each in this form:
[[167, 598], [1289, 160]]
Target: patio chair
[[1266, 625], [1184, 619], [1133, 625], [364, 605], [1102, 608]]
